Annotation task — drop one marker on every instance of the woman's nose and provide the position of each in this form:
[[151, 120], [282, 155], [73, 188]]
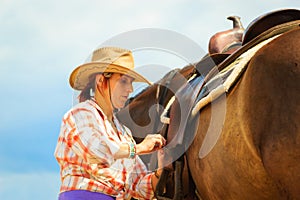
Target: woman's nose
[[130, 88]]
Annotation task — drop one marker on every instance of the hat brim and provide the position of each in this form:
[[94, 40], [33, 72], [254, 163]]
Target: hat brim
[[80, 76]]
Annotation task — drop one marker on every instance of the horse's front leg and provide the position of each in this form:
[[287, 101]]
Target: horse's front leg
[[161, 184], [179, 164], [178, 188]]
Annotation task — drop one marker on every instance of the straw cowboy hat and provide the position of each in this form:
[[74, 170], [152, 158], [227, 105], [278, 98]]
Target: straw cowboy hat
[[105, 59]]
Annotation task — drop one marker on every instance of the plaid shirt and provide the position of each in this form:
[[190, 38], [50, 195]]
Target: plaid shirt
[[85, 149]]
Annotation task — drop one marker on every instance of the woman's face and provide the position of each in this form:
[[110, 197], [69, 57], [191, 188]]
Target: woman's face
[[121, 87]]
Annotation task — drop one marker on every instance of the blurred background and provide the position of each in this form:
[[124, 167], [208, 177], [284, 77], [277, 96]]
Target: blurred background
[[43, 41]]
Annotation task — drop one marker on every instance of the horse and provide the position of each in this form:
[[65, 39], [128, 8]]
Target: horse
[[245, 143], [256, 154]]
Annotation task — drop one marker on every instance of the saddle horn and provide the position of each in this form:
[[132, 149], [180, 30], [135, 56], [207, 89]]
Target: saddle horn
[[237, 23], [227, 41]]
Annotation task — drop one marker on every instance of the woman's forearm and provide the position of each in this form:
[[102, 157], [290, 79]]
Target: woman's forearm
[[123, 152]]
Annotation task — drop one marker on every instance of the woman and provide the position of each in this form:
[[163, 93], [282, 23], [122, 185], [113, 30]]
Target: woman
[[97, 155]]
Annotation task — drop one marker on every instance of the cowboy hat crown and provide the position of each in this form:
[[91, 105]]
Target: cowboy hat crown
[[105, 59]]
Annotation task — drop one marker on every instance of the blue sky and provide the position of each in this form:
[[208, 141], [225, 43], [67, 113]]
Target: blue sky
[[42, 41]]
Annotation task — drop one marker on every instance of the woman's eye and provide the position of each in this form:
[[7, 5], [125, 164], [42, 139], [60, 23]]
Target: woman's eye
[[123, 81]]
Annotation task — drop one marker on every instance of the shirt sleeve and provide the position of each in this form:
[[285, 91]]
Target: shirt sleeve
[[88, 139]]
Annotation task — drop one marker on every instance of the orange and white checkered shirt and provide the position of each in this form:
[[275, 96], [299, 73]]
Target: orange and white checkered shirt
[[85, 149]]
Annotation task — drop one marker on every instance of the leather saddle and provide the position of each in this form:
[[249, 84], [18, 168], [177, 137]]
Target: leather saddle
[[260, 29]]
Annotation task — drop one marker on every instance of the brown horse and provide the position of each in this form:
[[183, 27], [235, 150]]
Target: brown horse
[[257, 154], [247, 144]]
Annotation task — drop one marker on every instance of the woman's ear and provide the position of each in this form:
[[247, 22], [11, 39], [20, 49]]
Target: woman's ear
[[99, 79]]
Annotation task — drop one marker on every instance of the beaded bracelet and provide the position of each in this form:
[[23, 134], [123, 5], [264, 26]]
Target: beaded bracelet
[[132, 150]]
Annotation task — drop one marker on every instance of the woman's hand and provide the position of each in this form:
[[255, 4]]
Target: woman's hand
[[151, 143]]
